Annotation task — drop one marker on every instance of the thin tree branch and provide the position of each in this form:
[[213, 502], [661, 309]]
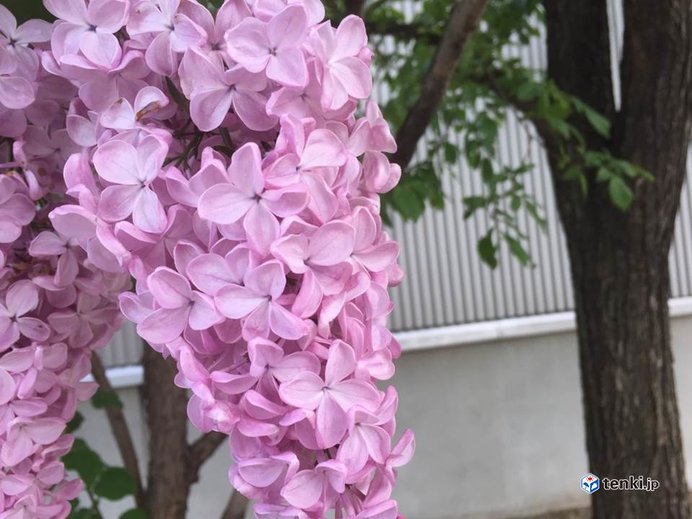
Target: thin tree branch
[[463, 21], [121, 432], [236, 507], [201, 450]]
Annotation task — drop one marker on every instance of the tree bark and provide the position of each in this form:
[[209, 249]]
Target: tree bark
[[166, 409], [619, 260], [236, 507]]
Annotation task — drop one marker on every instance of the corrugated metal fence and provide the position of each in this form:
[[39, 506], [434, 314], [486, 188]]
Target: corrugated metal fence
[[446, 283]]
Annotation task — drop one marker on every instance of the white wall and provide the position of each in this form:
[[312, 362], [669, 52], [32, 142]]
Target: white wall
[[498, 424]]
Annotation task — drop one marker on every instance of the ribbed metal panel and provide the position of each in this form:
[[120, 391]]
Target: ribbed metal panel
[[446, 283]]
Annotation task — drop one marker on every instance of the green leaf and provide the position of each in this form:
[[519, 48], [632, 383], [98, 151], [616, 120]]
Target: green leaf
[[451, 152], [598, 122], [528, 90], [114, 484], [103, 399], [620, 193], [488, 250], [518, 251], [135, 513], [75, 423], [603, 175], [84, 513], [84, 461], [473, 204]]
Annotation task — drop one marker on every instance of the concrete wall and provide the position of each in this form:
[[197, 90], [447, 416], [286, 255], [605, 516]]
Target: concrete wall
[[498, 424]]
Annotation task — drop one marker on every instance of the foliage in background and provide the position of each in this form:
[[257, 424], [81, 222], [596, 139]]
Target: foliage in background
[[488, 82], [101, 480]]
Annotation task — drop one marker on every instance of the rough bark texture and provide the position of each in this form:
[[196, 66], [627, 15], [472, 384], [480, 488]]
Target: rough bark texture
[[236, 507], [165, 404], [619, 260]]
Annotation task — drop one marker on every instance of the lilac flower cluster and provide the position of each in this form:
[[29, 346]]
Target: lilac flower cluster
[[56, 306], [221, 161]]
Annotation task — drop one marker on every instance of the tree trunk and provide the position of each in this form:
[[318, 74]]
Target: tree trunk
[[166, 408], [619, 260]]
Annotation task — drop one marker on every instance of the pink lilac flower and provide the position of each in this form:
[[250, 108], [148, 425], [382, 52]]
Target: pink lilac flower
[[220, 163], [89, 29], [273, 46]]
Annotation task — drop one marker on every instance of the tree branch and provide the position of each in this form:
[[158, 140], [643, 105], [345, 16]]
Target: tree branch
[[236, 507], [201, 450], [463, 21], [121, 432]]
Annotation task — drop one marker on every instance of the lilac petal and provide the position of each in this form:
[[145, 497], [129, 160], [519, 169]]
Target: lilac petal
[[354, 76], [292, 251], [251, 109], [232, 384], [247, 44], [303, 391], [45, 431], [224, 204], [286, 324], [288, 68], [304, 489], [7, 387], [73, 11], [16, 92], [350, 393], [294, 364], [117, 202], [33, 328], [16, 450], [379, 258], [47, 244], [101, 48], [267, 280], [332, 422], [203, 314], [288, 28], [236, 302], [148, 213], [160, 56], [351, 38], [116, 162], [261, 227], [110, 15], [21, 298], [340, 364], [163, 325], [331, 244], [73, 221], [309, 297], [246, 170], [286, 202], [209, 273], [209, 108], [120, 116], [170, 289], [260, 472], [323, 149]]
